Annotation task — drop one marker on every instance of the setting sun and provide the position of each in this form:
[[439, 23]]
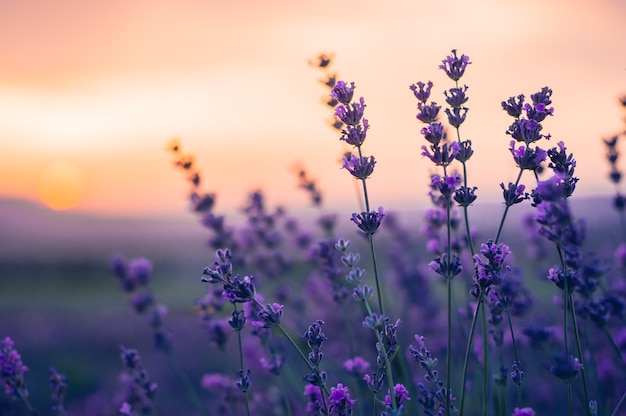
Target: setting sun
[[61, 186]]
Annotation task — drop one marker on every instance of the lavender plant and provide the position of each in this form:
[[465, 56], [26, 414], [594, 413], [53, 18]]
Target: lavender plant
[[295, 325]]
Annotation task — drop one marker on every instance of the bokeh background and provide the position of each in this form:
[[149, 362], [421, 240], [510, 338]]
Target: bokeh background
[[92, 92]]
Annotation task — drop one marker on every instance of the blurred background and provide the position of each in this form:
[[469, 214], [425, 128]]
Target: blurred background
[[91, 93]]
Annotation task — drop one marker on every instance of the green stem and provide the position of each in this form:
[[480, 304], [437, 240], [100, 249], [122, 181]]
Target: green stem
[[568, 303], [26, 403], [468, 349], [239, 343], [580, 353], [506, 209], [370, 237], [383, 352], [485, 359], [570, 403], [614, 345], [304, 358], [519, 385], [371, 243], [449, 309], [619, 404]]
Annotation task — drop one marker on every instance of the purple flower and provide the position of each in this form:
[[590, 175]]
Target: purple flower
[[421, 90], [542, 97], [342, 92], [516, 374], [218, 333], [315, 338], [340, 401], [434, 133], [314, 394], [524, 411], [513, 194], [270, 315], [359, 167], [566, 368], [442, 155], [374, 381], [428, 113], [456, 117], [555, 188], [126, 409], [58, 385], [274, 364], [238, 320], [240, 289], [401, 395], [537, 112], [557, 276], [355, 135], [356, 366], [442, 267], [202, 203], [465, 151], [140, 391], [513, 107], [140, 270], [222, 268], [12, 370], [454, 66], [560, 162], [527, 131], [369, 222], [351, 114], [214, 381], [527, 158], [464, 196], [362, 293], [491, 271], [457, 97], [447, 184]]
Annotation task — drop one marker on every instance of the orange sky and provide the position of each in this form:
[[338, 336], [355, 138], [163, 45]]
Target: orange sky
[[104, 86]]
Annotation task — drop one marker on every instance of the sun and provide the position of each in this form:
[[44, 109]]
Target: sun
[[61, 185]]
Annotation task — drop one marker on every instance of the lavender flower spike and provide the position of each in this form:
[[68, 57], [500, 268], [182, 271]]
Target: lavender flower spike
[[421, 90], [342, 92], [368, 222], [12, 370], [340, 401], [359, 167], [454, 66]]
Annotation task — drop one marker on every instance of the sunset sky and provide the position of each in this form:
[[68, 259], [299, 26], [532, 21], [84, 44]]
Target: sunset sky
[[93, 91]]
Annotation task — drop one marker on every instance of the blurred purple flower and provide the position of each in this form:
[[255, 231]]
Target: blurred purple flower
[[12, 370], [356, 366]]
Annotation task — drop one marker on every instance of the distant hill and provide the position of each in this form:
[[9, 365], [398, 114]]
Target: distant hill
[[29, 232], [32, 233]]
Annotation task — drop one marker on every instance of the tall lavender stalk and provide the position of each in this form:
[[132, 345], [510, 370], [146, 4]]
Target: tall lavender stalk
[[442, 153], [350, 113]]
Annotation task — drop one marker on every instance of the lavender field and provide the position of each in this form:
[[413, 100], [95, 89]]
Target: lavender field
[[463, 306]]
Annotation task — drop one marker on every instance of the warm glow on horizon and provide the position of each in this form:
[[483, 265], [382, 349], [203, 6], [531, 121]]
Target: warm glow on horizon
[[106, 85], [61, 186]]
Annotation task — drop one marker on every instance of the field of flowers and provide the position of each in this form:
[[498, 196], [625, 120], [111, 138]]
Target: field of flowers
[[367, 315]]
